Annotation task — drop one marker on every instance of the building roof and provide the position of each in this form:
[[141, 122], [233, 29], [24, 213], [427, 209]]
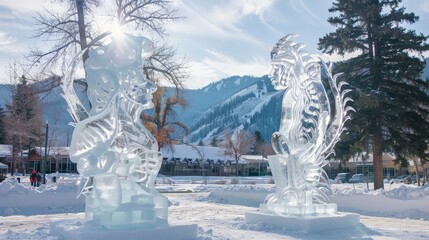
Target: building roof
[[367, 157], [52, 151], [3, 166], [253, 158], [5, 150], [197, 152]]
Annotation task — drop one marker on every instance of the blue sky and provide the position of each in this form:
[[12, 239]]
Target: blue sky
[[218, 38]]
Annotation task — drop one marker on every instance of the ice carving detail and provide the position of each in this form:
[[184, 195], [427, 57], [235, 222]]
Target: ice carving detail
[[308, 131], [116, 155]]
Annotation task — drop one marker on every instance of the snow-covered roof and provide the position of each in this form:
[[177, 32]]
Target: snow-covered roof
[[367, 157], [388, 156], [3, 166], [253, 158], [5, 150], [196, 152], [52, 151]]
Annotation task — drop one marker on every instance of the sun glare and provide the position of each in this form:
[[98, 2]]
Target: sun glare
[[116, 30], [106, 24]]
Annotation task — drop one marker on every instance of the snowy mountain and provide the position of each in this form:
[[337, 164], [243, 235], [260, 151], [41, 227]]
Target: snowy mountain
[[4, 94], [254, 107], [202, 99]]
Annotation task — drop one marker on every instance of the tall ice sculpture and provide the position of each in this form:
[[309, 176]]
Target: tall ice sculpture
[[309, 129], [116, 155]]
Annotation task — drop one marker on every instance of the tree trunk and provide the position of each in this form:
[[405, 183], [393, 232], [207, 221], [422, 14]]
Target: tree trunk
[[377, 154], [13, 155], [416, 165], [13, 164], [82, 32]]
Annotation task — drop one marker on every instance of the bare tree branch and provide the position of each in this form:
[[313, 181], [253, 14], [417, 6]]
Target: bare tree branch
[[74, 31], [236, 145], [163, 66]]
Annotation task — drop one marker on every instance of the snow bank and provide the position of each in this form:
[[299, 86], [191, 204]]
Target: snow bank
[[305, 224], [401, 202], [23, 199]]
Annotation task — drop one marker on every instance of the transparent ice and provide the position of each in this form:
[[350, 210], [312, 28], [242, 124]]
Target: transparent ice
[[116, 155], [308, 131]]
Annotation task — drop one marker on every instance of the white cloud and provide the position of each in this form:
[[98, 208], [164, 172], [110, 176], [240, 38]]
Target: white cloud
[[305, 12], [216, 20], [256, 7], [337, 57], [17, 26], [6, 38], [419, 7], [201, 75], [25, 5], [218, 65], [425, 7], [259, 8]]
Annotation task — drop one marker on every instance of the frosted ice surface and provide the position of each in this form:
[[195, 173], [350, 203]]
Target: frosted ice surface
[[114, 152], [308, 131]]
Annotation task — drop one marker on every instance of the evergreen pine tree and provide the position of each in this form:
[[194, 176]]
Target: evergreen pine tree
[[258, 137], [391, 100], [214, 142], [23, 119], [258, 145]]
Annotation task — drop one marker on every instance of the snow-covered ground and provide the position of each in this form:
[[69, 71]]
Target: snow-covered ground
[[218, 207]]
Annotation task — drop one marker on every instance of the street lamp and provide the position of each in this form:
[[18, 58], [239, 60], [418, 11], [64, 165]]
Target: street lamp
[[46, 155]]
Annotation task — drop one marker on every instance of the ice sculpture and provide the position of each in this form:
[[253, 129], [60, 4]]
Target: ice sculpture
[[308, 131], [117, 156]]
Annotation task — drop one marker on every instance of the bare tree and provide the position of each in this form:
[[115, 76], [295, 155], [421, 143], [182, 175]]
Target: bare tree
[[163, 65], [202, 156], [160, 124], [76, 30], [260, 147], [266, 149], [237, 144], [420, 162]]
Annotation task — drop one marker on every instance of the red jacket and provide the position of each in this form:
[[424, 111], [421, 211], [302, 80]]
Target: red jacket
[[33, 177]]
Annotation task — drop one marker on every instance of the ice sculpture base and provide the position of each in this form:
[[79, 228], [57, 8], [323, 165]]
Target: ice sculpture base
[[305, 224], [308, 209], [84, 230], [131, 218]]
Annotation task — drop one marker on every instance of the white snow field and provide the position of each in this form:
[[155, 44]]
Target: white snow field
[[218, 207]]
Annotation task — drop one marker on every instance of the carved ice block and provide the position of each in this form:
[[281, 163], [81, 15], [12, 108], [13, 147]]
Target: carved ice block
[[308, 131], [116, 155]]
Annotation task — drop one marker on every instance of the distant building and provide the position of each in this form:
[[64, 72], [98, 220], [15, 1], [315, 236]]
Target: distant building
[[256, 165], [186, 160], [5, 152], [6, 155], [58, 160], [366, 166]]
